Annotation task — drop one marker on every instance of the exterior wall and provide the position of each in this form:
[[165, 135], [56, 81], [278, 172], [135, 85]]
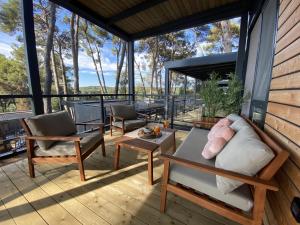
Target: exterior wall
[[283, 112]]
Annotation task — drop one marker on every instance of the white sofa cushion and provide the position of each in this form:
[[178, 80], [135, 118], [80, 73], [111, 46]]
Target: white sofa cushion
[[191, 149], [53, 124], [233, 117], [246, 154], [239, 124]]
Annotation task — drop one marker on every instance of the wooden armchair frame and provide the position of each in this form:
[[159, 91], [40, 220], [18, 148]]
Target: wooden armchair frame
[[78, 156], [122, 129], [259, 184]]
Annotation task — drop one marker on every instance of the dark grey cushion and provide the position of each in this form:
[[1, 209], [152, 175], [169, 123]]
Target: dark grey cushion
[[53, 124], [87, 140], [191, 149], [130, 124], [125, 111]]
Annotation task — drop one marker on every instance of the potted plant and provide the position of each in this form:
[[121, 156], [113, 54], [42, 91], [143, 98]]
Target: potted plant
[[232, 97], [212, 96]]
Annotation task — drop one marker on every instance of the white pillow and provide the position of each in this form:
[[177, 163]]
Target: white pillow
[[233, 117], [246, 154], [239, 124]]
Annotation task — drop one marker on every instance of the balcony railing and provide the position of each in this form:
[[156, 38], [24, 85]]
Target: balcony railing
[[179, 110]]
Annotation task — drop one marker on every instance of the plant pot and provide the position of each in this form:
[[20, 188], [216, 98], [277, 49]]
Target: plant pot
[[211, 121]]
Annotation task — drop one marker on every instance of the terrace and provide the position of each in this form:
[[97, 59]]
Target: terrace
[[267, 65]]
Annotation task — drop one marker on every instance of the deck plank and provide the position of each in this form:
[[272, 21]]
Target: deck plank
[[17, 205], [47, 208]]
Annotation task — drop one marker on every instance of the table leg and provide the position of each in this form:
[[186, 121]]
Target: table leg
[[117, 157], [150, 168]]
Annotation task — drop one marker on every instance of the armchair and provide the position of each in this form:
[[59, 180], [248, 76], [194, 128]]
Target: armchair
[[125, 118], [53, 138]]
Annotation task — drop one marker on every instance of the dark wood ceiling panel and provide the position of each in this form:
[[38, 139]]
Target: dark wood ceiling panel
[[109, 8], [167, 12]]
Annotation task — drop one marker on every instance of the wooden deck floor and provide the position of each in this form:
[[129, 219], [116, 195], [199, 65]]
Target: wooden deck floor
[[57, 196]]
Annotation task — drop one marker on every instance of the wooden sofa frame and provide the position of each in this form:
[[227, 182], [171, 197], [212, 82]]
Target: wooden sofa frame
[[78, 158], [122, 129], [259, 184]]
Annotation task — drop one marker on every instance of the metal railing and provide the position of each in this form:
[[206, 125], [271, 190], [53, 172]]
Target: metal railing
[[96, 107]]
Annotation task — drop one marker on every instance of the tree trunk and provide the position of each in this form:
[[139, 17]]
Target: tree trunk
[[54, 71], [63, 70], [92, 56], [47, 57], [142, 79], [226, 36], [120, 66], [74, 43], [101, 69]]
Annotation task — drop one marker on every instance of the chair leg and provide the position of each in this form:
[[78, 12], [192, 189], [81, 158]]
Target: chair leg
[[31, 168], [259, 205], [110, 130], [103, 148], [81, 170], [163, 194]]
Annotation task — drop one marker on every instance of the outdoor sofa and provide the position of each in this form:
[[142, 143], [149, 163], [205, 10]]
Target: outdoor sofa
[[188, 174]]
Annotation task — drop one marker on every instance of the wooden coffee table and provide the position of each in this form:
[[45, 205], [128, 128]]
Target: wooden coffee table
[[145, 146]]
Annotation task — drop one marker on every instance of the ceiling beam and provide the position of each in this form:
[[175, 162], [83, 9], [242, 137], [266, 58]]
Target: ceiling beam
[[220, 13], [134, 10], [90, 15]]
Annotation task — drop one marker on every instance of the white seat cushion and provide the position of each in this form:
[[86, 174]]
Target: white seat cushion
[[191, 149], [59, 148]]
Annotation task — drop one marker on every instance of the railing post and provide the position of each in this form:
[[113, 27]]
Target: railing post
[[172, 111], [102, 109]]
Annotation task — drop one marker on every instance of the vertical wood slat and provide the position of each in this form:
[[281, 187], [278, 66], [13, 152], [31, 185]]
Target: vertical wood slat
[[283, 113]]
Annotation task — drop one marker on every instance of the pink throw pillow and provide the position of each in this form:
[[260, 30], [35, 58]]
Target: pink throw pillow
[[225, 132], [224, 122], [221, 123], [213, 147]]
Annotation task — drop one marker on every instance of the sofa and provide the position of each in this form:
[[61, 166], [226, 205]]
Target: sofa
[[223, 184]]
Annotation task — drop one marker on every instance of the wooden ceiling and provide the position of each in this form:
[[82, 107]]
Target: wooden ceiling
[[134, 19]]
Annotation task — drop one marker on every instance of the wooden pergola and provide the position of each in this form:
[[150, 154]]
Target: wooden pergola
[[136, 19]]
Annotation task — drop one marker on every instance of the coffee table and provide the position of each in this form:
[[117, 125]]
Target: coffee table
[[131, 141]]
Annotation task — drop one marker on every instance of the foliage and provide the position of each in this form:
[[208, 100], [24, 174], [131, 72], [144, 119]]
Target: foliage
[[212, 95], [220, 37], [233, 99], [218, 100], [10, 19]]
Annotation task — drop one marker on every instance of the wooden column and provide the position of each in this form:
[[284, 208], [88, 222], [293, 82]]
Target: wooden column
[[32, 66], [130, 61]]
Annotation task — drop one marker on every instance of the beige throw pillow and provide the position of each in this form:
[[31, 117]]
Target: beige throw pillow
[[246, 154]]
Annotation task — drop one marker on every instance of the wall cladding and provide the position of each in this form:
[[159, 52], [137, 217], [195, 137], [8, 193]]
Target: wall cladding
[[283, 113]]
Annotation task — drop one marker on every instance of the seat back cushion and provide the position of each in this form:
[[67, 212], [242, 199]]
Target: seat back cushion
[[53, 124], [125, 111], [246, 154], [233, 117], [239, 124]]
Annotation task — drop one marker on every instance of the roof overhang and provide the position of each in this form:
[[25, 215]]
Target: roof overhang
[[136, 19], [201, 67]]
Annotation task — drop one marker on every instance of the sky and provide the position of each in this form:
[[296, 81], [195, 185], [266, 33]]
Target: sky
[[87, 74]]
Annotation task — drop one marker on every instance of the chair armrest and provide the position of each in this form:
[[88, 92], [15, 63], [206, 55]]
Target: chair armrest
[[89, 123], [143, 115], [254, 181], [199, 122], [117, 117], [53, 138]]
